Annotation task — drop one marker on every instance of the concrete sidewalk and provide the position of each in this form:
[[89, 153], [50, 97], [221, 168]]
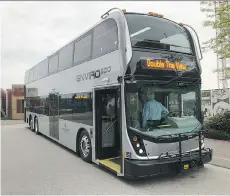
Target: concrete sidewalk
[[221, 152]]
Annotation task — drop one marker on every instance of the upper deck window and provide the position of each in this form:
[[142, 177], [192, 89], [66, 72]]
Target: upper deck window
[[66, 57], [82, 51], [53, 64], [105, 38], [148, 31]]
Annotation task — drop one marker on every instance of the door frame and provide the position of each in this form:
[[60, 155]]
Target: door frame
[[94, 140], [55, 132], [101, 150]]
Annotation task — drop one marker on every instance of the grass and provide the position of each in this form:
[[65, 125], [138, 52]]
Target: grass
[[6, 118]]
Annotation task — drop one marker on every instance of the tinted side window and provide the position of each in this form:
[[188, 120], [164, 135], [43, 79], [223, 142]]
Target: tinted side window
[[37, 105], [76, 108], [105, 38], [82, 108], [46, 105], [53, 64], [65, 107], [31, 104], [28, 104], [82, 51], [66, 57]]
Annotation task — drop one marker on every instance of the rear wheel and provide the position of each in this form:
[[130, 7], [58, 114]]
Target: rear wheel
[[85, 147], [36, 127], [31, 124]]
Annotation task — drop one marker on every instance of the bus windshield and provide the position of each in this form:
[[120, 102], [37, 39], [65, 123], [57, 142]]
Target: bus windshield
[[162, 110], [145, 29]]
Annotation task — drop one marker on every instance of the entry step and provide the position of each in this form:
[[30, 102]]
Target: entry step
[[111, 163]]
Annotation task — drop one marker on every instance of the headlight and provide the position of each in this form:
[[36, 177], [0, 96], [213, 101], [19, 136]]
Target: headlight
[[137, 143], [141, 151]]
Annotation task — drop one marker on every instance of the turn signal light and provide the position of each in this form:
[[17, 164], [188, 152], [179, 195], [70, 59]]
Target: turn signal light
[[134, 138], [124, 10], [155, 14]]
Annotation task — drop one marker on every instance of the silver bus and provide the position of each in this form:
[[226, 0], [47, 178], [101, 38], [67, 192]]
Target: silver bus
[[124, 95]]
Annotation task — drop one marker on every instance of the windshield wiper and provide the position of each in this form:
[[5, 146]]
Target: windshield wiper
[[158, 45], [156, 41]]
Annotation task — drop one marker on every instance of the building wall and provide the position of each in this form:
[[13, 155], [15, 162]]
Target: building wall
[[3, 102], [15, 113], [17, 99], [9, 103], [215, 101]]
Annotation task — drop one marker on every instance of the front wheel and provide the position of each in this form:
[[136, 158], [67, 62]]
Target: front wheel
[[85, 147]]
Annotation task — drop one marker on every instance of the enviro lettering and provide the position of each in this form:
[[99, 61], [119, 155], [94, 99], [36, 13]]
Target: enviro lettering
[[93, 74]]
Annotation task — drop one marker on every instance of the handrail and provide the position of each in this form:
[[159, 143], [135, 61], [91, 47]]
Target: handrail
[[107, 13], [109, 128]]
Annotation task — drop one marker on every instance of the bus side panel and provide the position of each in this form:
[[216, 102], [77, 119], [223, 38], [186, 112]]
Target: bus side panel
[[43, 124], [68, 132]]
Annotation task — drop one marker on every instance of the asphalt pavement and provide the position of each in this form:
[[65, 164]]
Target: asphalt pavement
[[221, 154], [33, 164]]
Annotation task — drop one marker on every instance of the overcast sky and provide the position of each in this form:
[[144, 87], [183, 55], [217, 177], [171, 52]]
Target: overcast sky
[[31, 31]]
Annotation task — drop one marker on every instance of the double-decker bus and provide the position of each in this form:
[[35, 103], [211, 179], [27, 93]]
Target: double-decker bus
[[125, 95]]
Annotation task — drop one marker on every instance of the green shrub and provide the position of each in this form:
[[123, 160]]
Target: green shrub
[[220, 122], [217, 134], [6, 118]]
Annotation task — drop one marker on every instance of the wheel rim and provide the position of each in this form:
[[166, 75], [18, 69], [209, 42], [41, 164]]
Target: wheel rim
[[85, 146], [36, 126]]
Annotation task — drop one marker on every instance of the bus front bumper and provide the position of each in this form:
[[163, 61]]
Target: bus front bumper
[[134, 169]]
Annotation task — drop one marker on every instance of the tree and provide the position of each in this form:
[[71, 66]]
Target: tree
[[218, 18]]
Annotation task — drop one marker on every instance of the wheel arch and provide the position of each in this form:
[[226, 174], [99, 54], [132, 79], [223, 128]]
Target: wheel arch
[[77, 139]]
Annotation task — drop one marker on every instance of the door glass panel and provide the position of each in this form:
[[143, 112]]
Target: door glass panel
[[108, 119], [53, 118]]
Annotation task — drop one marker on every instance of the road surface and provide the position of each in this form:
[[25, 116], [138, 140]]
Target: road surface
[[221, 152], [32, 164]]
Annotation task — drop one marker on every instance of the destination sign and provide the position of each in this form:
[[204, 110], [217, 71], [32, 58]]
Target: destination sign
[[163, 64], [80, 97]]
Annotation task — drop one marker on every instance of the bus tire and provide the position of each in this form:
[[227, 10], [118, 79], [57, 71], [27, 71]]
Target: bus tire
[[36, 126], [31, 124], [85, 147]]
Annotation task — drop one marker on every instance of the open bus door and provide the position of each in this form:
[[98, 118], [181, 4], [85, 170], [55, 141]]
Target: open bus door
[[107, 128]]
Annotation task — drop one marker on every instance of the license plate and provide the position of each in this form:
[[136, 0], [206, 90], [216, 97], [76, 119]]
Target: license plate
[[186, 166]]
